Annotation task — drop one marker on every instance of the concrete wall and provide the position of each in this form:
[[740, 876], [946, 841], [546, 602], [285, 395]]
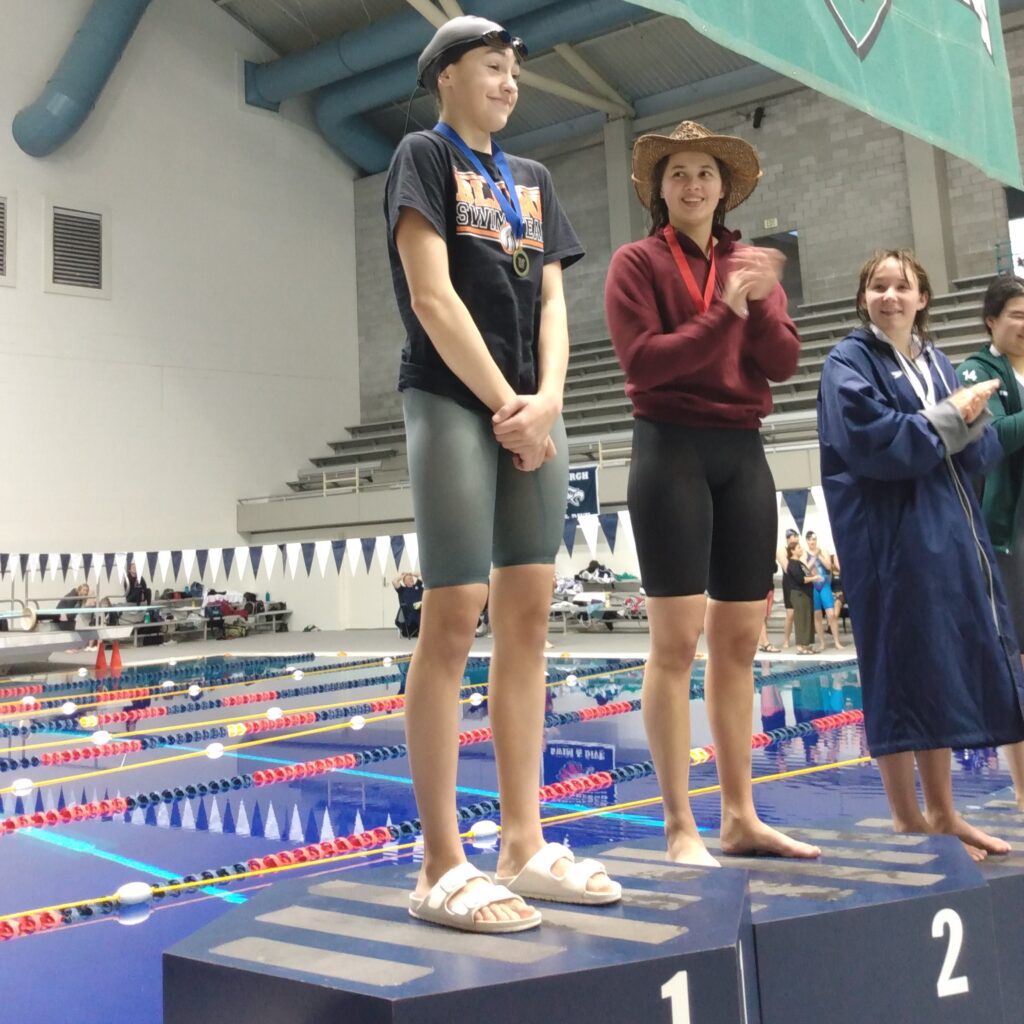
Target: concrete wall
[[226, 351]]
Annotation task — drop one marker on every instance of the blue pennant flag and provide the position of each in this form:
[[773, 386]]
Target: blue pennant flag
[[202, 557], [228, 560], [255, 554], [338, 548], [308, 554], [398, 548], [369, 546], [610, 524], [796, 502], [569, 534]]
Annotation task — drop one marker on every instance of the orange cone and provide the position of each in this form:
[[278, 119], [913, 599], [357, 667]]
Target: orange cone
[[101, 660], [115, 659]]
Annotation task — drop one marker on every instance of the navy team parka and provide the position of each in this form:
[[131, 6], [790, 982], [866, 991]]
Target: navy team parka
[[938, 659]]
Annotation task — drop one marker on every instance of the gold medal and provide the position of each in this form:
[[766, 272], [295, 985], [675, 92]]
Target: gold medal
[[521, 262]]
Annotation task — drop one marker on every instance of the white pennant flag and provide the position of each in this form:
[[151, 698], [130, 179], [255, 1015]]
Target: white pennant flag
[[139, 558], [626, 528], [213, 564], [75, 565], [590, 525], [270, 558], [97, 564], [121, 565], [293, 552], [354, 554], [54, 564], [412, 550], [383, 549], [188, 562], [163, 563], [323, 556], [32, 566], [241, 561]]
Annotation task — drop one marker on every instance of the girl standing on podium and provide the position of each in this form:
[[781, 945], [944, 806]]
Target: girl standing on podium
[[477, 243], [901, 443], [700, 326]]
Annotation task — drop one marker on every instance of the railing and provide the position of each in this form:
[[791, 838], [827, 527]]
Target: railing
[[1007, 262], [601, 450]]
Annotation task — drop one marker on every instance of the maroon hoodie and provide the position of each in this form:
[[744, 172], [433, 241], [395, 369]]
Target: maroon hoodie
[[696, 369]]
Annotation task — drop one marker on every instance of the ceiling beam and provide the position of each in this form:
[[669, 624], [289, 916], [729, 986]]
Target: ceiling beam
[[568, 92], [429, 11], [451, 8], [590, 74]]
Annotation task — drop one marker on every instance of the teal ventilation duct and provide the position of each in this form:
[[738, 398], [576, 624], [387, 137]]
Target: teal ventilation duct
[[71, 93]]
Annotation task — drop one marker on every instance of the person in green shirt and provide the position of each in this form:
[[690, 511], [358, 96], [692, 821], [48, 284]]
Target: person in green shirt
[[1002, 358]]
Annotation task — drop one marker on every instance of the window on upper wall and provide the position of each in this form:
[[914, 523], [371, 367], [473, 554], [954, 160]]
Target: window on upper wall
[[1010, 254], [6, 240], [77, 260]]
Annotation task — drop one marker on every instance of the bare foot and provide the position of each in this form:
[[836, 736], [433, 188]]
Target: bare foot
[[969, 835], [756, 839], [688, 848], [505, 910], [974, 853]]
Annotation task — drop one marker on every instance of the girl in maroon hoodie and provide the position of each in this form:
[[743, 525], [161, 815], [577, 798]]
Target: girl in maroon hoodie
[[700, 327]]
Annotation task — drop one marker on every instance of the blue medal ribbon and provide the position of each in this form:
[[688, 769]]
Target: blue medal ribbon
[[509, 203]]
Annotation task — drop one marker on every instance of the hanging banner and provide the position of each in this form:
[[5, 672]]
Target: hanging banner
[[323, 556], [202, 557], [338, 548], [215, 560], [935, 69], [582, 495]]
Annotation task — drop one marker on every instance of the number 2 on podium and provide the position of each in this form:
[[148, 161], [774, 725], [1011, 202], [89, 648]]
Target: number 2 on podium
[[677, 989]]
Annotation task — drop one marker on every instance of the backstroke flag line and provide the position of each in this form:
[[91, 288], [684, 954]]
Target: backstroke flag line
[[933, 68]]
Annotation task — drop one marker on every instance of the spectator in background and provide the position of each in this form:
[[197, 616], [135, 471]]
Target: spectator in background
[[135, 589], [73, 599], [409, 588], [820, 563], [801, 584], [782, 559], [1002, 359]]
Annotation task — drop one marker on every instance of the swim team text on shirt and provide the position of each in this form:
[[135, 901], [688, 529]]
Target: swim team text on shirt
[[431, 176]]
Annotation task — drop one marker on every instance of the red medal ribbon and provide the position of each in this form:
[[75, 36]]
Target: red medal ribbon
[[700, 301]]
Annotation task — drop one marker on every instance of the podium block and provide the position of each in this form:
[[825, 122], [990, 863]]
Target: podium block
[[1005, 877], [882, 927], [341, 946]]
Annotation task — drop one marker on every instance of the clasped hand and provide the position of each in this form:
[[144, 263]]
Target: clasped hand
[[757, 273], [969, 402], [523, 427]]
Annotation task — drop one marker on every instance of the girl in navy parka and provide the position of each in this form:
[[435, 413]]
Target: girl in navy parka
[[899, 443]]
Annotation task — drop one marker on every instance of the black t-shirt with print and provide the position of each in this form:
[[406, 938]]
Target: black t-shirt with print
[[432, 176]]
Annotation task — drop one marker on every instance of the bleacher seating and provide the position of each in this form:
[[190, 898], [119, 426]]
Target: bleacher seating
[[598, 415]]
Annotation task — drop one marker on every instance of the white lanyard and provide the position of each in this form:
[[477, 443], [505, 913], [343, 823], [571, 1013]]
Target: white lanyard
[[919, 377]]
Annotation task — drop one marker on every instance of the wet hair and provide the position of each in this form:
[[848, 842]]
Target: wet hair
[[810, 535], [999, 292], [659, 208], [792, 546], [909, 265]]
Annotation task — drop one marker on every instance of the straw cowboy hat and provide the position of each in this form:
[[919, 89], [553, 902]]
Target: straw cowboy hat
[[738, 156]]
